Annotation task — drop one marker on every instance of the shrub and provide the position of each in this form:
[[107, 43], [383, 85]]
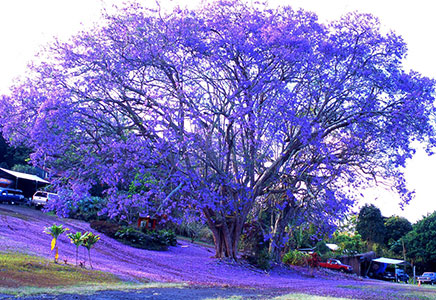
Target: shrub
[[296, 258], [152, 240], [105, 227], [206, 235], [88, 208], [252, 240], [255, 248], [263, 260], [194, 230], [133, 236], [166, 237]]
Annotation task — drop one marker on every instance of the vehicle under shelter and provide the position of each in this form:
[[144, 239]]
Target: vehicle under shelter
[[28, 183]]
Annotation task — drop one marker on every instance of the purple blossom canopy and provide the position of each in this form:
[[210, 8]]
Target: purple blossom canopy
[[209, 110]]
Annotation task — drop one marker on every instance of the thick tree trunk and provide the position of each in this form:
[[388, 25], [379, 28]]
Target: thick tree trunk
[[277, 233], [226, 233], [278, 225]]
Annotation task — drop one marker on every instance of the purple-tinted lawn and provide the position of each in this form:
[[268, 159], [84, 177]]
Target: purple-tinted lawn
[[21, 229]]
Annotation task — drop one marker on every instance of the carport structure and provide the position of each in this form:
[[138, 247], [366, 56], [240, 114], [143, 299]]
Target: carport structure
[[28, 183], [383, 262], [389, 261]]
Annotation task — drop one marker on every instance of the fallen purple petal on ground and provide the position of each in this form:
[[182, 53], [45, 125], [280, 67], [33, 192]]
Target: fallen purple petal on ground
[[21, 230]]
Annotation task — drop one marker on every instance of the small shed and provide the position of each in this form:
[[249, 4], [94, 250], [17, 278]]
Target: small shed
[[28, 183], [360, 262]]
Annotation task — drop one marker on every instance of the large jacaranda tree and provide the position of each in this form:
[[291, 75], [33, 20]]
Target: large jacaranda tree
[[219, 108]]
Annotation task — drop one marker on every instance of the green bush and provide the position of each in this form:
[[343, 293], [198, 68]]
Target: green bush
[[296, 258], [105, 227], [88, 208], [151, 240], [194, 230], [263, 260], [253, 246], [166, 237]]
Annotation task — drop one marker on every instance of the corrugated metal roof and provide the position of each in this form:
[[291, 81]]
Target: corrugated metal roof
[[388, 260], [332, 247], [24, 175]]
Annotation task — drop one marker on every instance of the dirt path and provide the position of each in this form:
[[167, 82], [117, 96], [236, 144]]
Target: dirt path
[[21, 228]]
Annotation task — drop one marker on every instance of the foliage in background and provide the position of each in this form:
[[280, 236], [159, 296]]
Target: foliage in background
[[296, 258], [11, 156], [89, 240], [348, 223], [263, 260], [150, 240], [420, 243], [108, 228], [195, 230], [224, 105], [396, 228], [55, 231], [142, 192], [287, 226], [88, 208], [166, 237], [349, 244], [254, 246], [27, 169], [304, 236], [77, 239], [370, 225]]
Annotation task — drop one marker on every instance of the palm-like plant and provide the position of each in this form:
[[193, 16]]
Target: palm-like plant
[[89, 240], [55, 231], [77, 239]]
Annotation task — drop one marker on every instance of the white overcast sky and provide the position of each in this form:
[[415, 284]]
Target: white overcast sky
[[25, 25]]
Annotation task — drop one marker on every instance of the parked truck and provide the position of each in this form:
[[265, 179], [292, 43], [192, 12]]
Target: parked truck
[[336, 264], [427, 277]]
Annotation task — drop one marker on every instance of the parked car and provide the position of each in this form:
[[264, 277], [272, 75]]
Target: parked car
[[11, 196], [397, 275], [401, 275], [336, 264], [40, 198], [427, 277], [387, 275]]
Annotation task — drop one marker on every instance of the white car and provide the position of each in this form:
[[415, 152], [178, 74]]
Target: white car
[[40, 198]]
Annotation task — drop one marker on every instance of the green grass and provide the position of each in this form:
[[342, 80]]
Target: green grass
[[26, 275], [420, 296], [231, 298], [306, 297], [22, 274], [286, 297], [407, 291], [198, 242], [18, 269], [292, 296], [85, 289]]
